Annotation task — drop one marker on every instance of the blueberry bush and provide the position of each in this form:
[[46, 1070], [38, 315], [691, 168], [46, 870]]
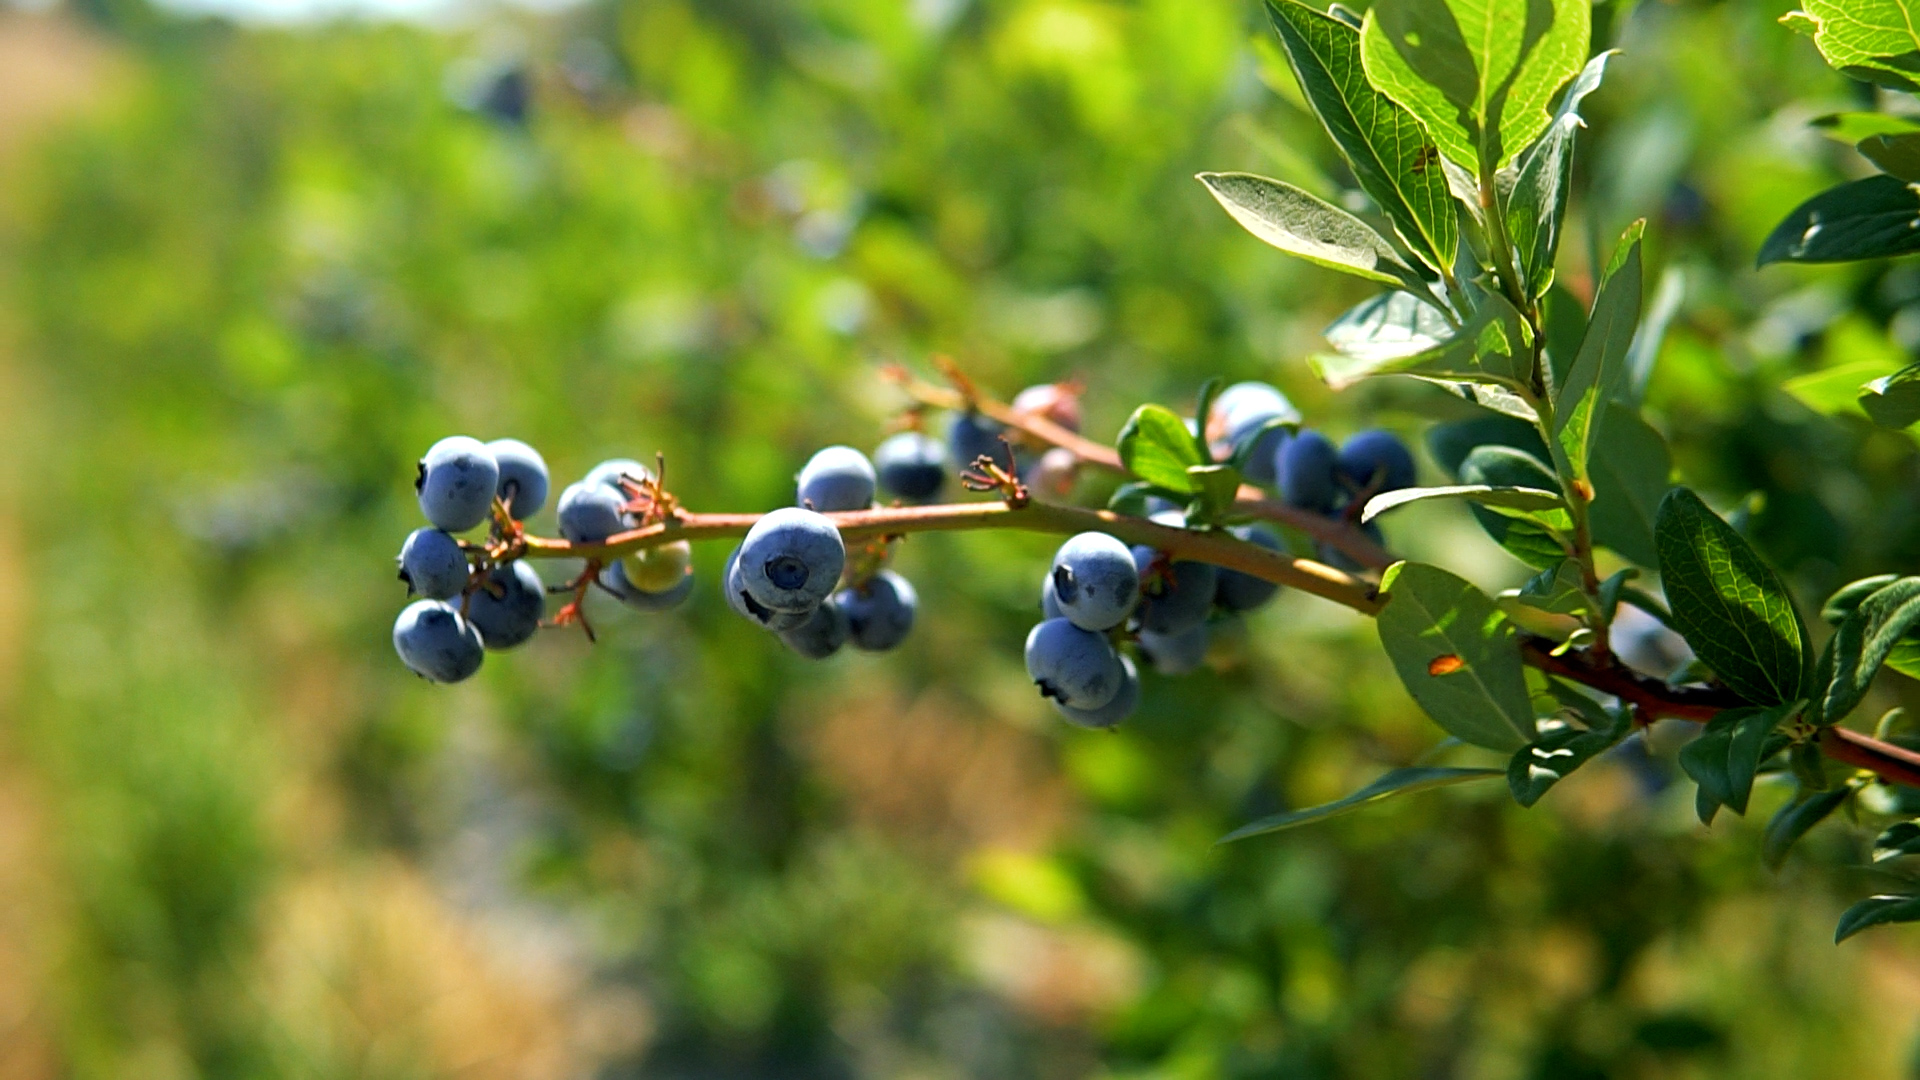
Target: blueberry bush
[[1542, 463]]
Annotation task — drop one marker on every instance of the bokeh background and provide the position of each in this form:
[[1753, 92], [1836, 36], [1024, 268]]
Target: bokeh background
[[253, 262]]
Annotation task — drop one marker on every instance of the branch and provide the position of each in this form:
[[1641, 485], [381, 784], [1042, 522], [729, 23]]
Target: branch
[[1250, 500]]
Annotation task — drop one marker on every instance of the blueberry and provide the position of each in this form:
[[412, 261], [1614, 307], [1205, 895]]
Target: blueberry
[[743, 603], [456, 483], [1376, 460], [973, 436], [1176, 654], [1125, 701], [512, 617], [821, 635], [436, 643], [614, 580], [911, 466], [1049, 603], [1306, 469], [836, 479], [1237, 591], [523, 477], [1239, 412], [589, 513], [611, 472], [658, 569], [1095, 581], [1050, 401], [1053, 474], [1178, 601], [879, 612], [432, 564], [1339, 560], [791, 560], [1072, 666]]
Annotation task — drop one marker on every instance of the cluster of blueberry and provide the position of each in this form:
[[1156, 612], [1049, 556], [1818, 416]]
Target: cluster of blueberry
[[1049, 472], [443, 636], [786, 575]]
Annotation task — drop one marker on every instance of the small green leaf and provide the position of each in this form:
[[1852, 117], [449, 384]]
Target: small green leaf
[[1861, 219], [1216, 485], [1544, 173], [1386, 327], [1556, 589], [1599, 369], [1629, 467], [1299, 224], [1852, 127], [1494, 347], [1893, 401], [1851, 595], [1386, 147], [1836, 390], [1156, 446], [1724, 759], [1728, 604], [1250, 441], [1457, 655], [1478, 73], [1861, 644], [1560, 749], [1870, 40], [1900, 839], [1898, 155], [1612, 589], [1535, 541], [1792, 821], [1518, 498], [1396, 782], [1876, 911]]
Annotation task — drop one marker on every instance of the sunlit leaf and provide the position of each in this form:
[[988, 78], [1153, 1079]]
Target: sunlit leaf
[[1430, 613]]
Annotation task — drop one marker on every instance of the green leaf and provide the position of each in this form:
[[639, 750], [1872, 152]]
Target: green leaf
[[1560, 749], [1386, 147], [1451, 442], [1629, 468], [1724, 759], [1216, 485], [1457, 655], [1537, 202], [1861, 644], [1895, 154], [1861, 219], [1157, 447], [1876, 911], [1850, 596], [1893, 401], [1478, 73], [1728, 604], [1901, 838], [1388, 327], [1535, 542], [1494, 347], [1299, 224], [1599, 369], [1836, 390], [1852, 127], [1250, 441], [1792, 821], [1871, 40], [1557, 589], [1397, 782], [1517, 498]]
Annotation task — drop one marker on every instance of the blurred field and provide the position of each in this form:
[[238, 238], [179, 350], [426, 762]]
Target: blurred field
[[248, 274]]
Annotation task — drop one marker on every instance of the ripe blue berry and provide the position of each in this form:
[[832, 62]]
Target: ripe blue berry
[[973, 436], [432, 564], [1049, 603], [512, 617], [1125, 701], [836, 479], [1176, 654], [1376, 460], [523, 477], [611, 472], [1239, 412], [614, 580], [436, 643], [456, 483], [1178, 599], [880, 611], [1236, 591], [589, 513], [1339, 560], [821, 635], [1306, 470], [744, 605], [791, 560], [911, 466], [1074, 667], [1095, 581]]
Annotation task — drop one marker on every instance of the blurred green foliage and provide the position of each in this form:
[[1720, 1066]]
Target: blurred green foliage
[[260, 269]]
